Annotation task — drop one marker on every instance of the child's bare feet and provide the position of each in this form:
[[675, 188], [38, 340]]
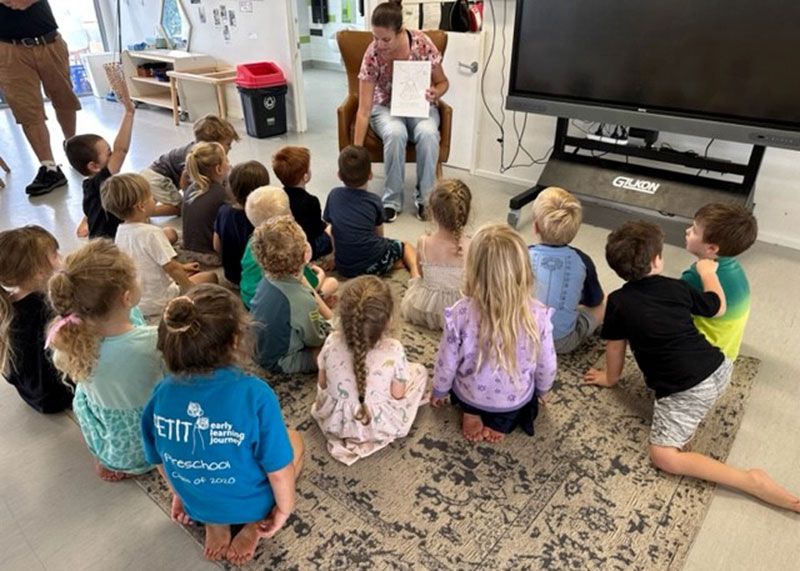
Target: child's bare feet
[[109, 475], [83, 229], [766, 489], [218, 539], [178, 513], [243, 546], [492, 435], [472, 427]]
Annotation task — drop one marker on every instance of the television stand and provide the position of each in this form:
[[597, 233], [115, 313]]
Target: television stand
[[636, 187]]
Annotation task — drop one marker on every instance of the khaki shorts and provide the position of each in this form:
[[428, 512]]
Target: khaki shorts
[[23, 72], [162, 187]]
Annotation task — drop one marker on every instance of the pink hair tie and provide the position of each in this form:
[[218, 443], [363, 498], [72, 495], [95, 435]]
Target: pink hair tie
[[58, 324]]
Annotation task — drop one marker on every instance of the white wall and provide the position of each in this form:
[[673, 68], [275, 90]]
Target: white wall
[[777, 188], [260, 35]]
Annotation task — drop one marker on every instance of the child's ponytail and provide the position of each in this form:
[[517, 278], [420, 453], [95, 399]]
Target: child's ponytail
[[201, 162], [365, 309], [450, 204], [90, 285], [27, 255]]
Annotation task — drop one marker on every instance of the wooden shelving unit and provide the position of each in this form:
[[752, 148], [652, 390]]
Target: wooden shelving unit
[[158, 93]]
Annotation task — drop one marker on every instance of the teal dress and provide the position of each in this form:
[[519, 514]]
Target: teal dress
[[109, 405]]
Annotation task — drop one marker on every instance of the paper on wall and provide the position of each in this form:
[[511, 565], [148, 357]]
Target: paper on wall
[[246, 6], [410, 81]]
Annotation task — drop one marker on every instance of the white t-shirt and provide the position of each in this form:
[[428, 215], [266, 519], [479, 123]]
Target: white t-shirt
[[150, 250]]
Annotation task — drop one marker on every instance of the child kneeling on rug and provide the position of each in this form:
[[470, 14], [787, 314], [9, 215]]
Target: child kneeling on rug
[[368, 393], [216, 432], [496, 358], [688, 374]]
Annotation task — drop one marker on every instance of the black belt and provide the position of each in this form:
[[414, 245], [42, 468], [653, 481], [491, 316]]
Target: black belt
[[48, 38]]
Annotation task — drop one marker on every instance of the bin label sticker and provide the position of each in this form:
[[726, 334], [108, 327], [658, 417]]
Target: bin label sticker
[[269, 103]]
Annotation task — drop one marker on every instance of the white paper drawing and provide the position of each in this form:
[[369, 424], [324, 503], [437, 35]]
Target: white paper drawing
[[410, 80]]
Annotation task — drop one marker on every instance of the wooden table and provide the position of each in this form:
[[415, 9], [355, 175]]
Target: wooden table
[[217, 78]]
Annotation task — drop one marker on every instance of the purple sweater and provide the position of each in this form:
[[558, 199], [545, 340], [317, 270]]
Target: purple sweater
[[492, 391]]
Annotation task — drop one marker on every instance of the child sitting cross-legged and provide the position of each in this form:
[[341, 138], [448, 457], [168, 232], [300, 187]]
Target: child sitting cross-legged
[[208, 165], [29, 257], [566, 278], [496, 358], [264, 204], [290, 329], [103, 344], [162, 277], [232, 461], [654, 314], [356, 218], [440, 256], [232, 229], [368, 393]]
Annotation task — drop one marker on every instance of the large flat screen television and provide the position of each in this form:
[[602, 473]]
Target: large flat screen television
[[718, 68]]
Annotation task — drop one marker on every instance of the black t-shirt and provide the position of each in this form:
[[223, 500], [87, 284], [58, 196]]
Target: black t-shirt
[[655, 315], [306, 211], [36, 21], [102, 224], [31, 371], [234, 230]]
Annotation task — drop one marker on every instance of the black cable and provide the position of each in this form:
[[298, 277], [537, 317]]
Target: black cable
[[705, 154]]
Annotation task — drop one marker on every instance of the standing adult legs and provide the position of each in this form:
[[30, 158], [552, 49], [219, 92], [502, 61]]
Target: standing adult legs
[[393, 133], [425, 136]]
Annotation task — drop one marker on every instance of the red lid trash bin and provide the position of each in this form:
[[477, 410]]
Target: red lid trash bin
[[262, 87]]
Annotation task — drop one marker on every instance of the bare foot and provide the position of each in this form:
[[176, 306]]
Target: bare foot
[[492, 435], [178, 513], [472, 427], [766, 489], [83, 229], [243, 546], [218, 539], [109, 475]]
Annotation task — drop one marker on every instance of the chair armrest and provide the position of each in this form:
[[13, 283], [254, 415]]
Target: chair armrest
[[346, 114], [445, 130]]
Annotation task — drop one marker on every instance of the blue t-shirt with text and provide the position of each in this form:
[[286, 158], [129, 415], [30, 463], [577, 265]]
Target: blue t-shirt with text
[[218, 436]]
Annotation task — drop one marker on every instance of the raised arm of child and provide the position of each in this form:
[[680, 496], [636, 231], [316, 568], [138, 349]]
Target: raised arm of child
[[123, 141], [615, 360], [708, 275]]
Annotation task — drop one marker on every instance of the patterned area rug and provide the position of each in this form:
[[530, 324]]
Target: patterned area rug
[[581, 494]]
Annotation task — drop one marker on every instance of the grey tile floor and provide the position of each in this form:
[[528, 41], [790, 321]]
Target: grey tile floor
[[55, 514]]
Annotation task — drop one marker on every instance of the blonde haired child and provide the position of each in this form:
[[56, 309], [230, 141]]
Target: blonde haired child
[[291, 324], [208, 166], [440, 257], [128, 196], [368, 393], [263, 204], [496, 354], [105, 347], [28, 257], [567, 278], [246, 474]]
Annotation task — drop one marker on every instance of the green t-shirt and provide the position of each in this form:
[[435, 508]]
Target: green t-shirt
[[725, 331], [252, 274]]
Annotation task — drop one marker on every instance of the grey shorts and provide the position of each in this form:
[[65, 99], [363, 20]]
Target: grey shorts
[[676, 417], [584, 327], [162, 187]]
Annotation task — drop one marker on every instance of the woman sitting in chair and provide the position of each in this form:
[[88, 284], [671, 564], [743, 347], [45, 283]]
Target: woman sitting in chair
[[392, 41]]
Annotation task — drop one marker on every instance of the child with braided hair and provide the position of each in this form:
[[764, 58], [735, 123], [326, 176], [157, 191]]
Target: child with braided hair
[[368, 393], [101, 342], [440, 257]]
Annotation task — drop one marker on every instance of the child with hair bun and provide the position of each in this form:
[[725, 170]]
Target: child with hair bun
[[368, 393], [440, 257], [208, 165], [101, 342], [496, 357], [28, 257], [216, 432]]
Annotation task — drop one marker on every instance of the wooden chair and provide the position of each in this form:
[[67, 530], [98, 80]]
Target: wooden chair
[[352, 45]]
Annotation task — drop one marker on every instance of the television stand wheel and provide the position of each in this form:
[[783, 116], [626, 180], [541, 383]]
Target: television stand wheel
[[513, 218]]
